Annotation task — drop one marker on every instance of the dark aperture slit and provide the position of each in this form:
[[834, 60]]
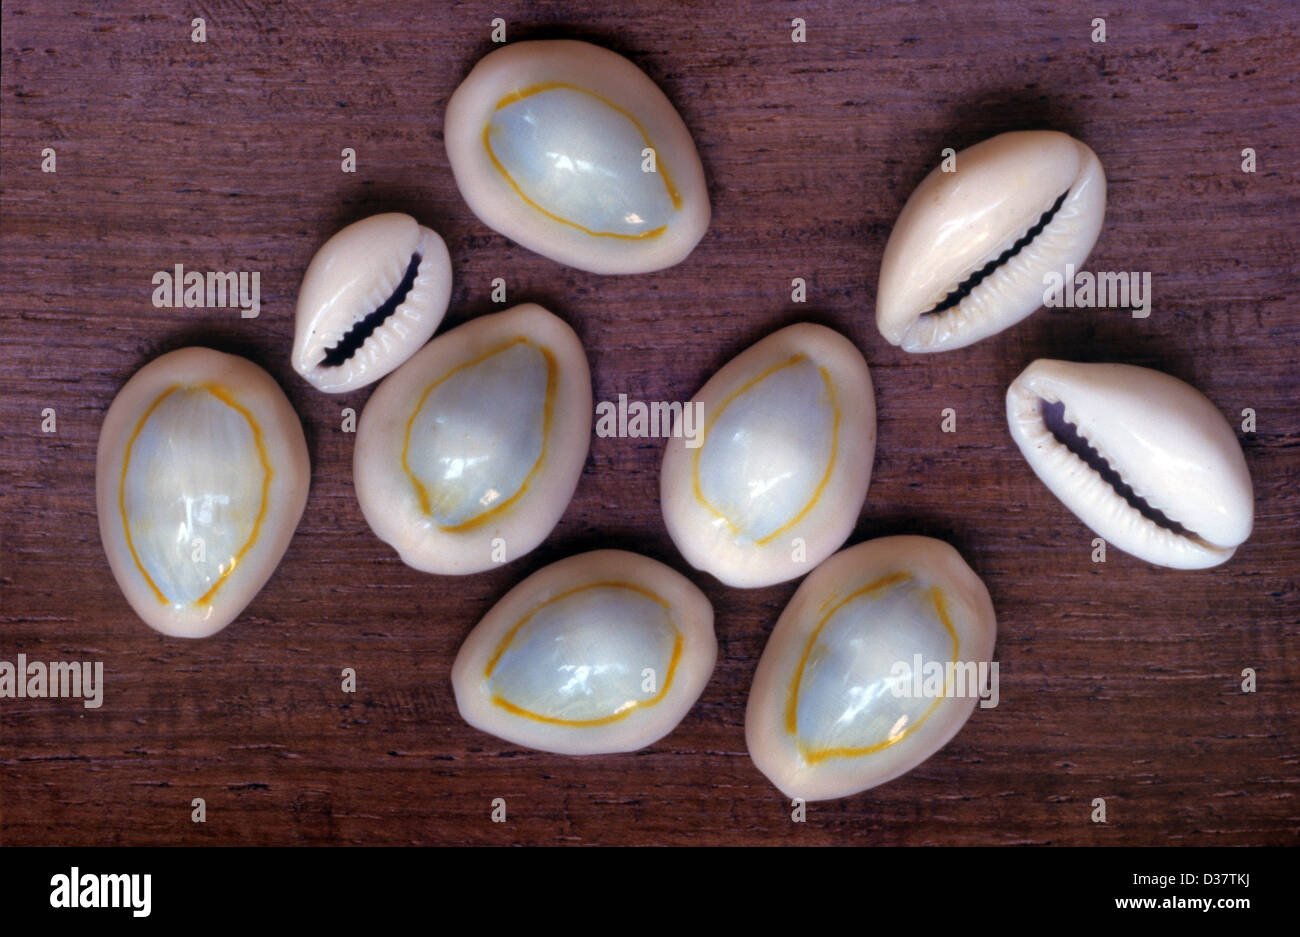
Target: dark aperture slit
[[964, 288], [357, 335], [1067, 434]]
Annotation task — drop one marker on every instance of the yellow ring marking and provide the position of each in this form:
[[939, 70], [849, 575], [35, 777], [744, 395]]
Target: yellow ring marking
[[516, 96], [624, 710], [830, 464], [813, 756], [548, 407], [224, 396]]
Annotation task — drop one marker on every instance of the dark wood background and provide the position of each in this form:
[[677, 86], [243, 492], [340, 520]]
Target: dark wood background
[[1119, 681]]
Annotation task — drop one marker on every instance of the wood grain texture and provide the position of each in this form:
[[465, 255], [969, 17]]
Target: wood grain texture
[[1119, 680]]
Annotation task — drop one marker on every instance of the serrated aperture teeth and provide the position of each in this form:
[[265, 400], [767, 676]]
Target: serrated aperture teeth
[[1143, 459], [971, 249], [373, 294], [363, 328]]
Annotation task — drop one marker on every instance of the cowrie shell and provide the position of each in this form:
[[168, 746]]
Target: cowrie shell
[[968, 255], [200, 482], [782, 471], [373, 294], [547, 141], [601, 652], [468, 454], [1184, 498], [837, 705]]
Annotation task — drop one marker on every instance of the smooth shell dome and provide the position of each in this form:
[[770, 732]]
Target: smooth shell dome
[[200, 482], [838, 704], [781, 468], [600, 652], [372, 295], [993, 228], [547, 141], [1160, 438], [467, 455]]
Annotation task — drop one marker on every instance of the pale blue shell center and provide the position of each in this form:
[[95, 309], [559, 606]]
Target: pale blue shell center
[[192, 492], [581, 160], [587, 656], [767, 453], [861, 684], [479, 433]]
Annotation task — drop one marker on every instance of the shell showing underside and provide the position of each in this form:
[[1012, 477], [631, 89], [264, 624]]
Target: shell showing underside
[[969, 253], [782, 466], [601, 652], [200, 482], [468, 454], [838, 704], [1142, 458], [373, 294], [550, 144]]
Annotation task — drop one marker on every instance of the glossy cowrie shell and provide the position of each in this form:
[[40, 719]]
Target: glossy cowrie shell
[[1165, 479], [969, 253], [601, 652], [550, 142], [200, 482], [781, 470], [373, 294], [838, 704], [468, 454]]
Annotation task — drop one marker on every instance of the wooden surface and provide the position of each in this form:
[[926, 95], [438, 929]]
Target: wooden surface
[[1118, 680]]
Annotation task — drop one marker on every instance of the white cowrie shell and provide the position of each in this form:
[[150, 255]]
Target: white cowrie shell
[[372, 295], [782, 470], [952, 235], [468, 454], [834, 707], [601, 652], [1162, 438], [200, 482], [547, 141]]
